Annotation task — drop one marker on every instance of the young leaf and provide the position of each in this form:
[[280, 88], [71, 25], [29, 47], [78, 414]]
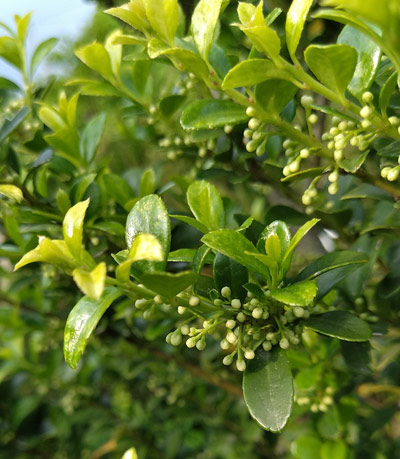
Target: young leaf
[[387, 92], [330, 261], [73, 227], [369, 56], [301, 232], [91, 137], [204, 23], [298, 294], [235, 245], [295, 19], [339, 324], [168, 284], [211, 114], [92, 282], [251, 72], [133, 13], [12, 192], [96, 58], [206, 204], [229, 273], [144, 247], [81, 322], [333, 65], [268, 389], [149, 216], [163, 16], [10, 51], [279, 229], [273, 95], [43, 50]]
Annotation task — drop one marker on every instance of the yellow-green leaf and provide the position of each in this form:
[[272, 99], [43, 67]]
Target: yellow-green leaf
[[92, 282], [73, 227], [133, 13], [95, 56], [163, 16], [295, 20], [12, 192]]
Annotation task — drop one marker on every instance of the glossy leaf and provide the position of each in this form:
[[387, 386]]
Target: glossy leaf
[[200, 259], [168, 284], [206, 204], [279, 229], [211, 114], [11, 192], [133, 13], [192, 222], [147, 183], [10, 51], [234, 245], [339, 324], [163, 17], [301, 232], [204, 23], [91, 136], [73, 227], [228, 272], [298, 294], [149, 216], [91, 282], [268, 389], [333, 65], [144, 247], [330, 261], [41, 52], [295, 19], [369, 56], [82, 321], [367, 191], [273, 95], [96, 58], [251, 72]]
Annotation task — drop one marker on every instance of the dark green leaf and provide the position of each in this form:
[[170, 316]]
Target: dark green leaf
[[357, 356], [268, 389], [235, 245], [330, 261], [273, 95], [211, 114], [367, 191], [387, 92], [192, 222], [91, 137], [339, 324], [228, 272], [10, 125]]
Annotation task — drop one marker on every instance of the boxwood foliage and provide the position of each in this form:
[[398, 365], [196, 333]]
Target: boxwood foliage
[[204, 212]]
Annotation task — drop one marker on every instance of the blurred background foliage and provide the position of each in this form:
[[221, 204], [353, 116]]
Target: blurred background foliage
[[131, 388]]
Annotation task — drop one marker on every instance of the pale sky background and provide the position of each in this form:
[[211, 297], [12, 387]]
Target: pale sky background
[[63, 19]]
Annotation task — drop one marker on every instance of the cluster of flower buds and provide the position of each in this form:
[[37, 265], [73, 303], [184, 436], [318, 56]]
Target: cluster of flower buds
[[255, 137]]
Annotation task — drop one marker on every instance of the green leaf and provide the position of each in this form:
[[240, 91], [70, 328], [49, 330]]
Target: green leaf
[[211, 114], [281, 230], [301, 232], [168, 284], [369, 56], [298, 294], [147, 183], [387, 92], [253, 71], [12, 192], [163, 16], [144, 247], [336, 449], [229, 273], [8, 85], [204, 22], [133, 13], [235, 245], [206, 204], [367, 190], [186, 256], [273, 95], [149, 216], [306, 447], [357, 356], [268, 389], [192, 222], [333, 65], [81, 322], [10, 51], [352, 165], [43, 50], [91, 282], [303, 174], [73, 227], [339, 324], [170, 104], [200, 258], [330, 261], [295, 19], [96, 57], [91, 137], [9, 125]]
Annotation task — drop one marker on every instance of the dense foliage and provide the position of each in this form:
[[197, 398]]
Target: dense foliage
[[204, 212]]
